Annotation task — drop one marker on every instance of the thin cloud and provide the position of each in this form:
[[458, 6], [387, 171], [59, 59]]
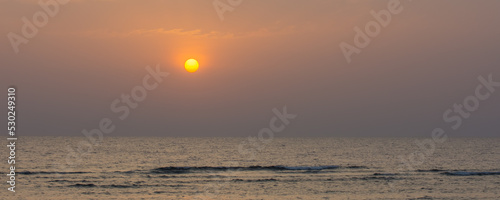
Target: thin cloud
[[197, 33]]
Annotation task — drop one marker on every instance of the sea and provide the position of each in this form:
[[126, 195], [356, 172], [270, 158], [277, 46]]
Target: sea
[[254, 168]]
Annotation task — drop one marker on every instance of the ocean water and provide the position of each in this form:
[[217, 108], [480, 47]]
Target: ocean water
[[239, 168]]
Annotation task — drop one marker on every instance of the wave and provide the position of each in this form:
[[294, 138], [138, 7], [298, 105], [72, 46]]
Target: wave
[[250, 168], [103, 186], [445, 172], [385, 174], [43, 172], [430, 170], [83, 185], [356, 167], [465, 173], [254, 180]]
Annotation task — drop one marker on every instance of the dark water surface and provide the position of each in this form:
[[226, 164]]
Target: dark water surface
[[234, 168]]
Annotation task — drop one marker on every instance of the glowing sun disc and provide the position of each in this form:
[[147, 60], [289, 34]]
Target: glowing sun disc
[[191, 65]]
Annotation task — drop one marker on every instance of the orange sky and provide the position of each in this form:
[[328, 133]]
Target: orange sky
[[264, 54]]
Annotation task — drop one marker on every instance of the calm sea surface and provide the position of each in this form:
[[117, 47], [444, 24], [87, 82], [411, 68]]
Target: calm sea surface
[[236, 168]]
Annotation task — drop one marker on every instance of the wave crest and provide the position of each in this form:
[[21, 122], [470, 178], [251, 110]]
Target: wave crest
[[250, 168], [464, 173]]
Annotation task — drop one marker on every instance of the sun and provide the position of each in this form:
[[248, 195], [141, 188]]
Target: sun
[[191, 65]]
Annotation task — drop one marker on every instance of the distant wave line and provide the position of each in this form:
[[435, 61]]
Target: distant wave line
[[249, 168]]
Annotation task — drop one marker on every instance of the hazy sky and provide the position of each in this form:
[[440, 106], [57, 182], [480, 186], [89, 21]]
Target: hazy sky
[[262, 55]]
